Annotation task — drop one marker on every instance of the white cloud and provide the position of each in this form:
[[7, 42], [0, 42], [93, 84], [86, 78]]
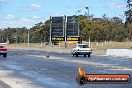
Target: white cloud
[[36, 17], [117, 5], [9, 17], [25, 22], [22, 22], [11, 21], [3, 0], [59, 14], [35, 5], [32, 7]]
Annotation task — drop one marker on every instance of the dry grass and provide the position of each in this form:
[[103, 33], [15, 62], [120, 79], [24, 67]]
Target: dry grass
[[94, 45], [104, 45], [108, 45]]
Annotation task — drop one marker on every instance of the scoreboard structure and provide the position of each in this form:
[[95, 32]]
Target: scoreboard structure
[[64, 28], [57, 29], [72, 28]]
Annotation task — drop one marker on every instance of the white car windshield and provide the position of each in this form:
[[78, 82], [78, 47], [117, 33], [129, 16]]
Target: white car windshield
[[83, 46]]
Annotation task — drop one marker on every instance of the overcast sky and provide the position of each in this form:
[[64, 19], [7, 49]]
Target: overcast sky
[[20, 13]]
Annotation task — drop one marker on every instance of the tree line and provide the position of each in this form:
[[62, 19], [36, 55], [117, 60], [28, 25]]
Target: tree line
[[98, 29], [38, 33]]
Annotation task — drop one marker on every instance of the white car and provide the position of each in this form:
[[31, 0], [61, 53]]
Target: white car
[[81, 49]]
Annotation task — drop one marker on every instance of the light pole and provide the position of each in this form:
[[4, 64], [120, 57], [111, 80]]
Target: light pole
[[64, 27], [16, 36], [28, 37], [88, 19], [87, 12], [79, 12], [50, 31]]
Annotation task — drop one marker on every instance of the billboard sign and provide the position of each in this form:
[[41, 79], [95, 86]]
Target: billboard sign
[[72, 26], [57, 27]]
